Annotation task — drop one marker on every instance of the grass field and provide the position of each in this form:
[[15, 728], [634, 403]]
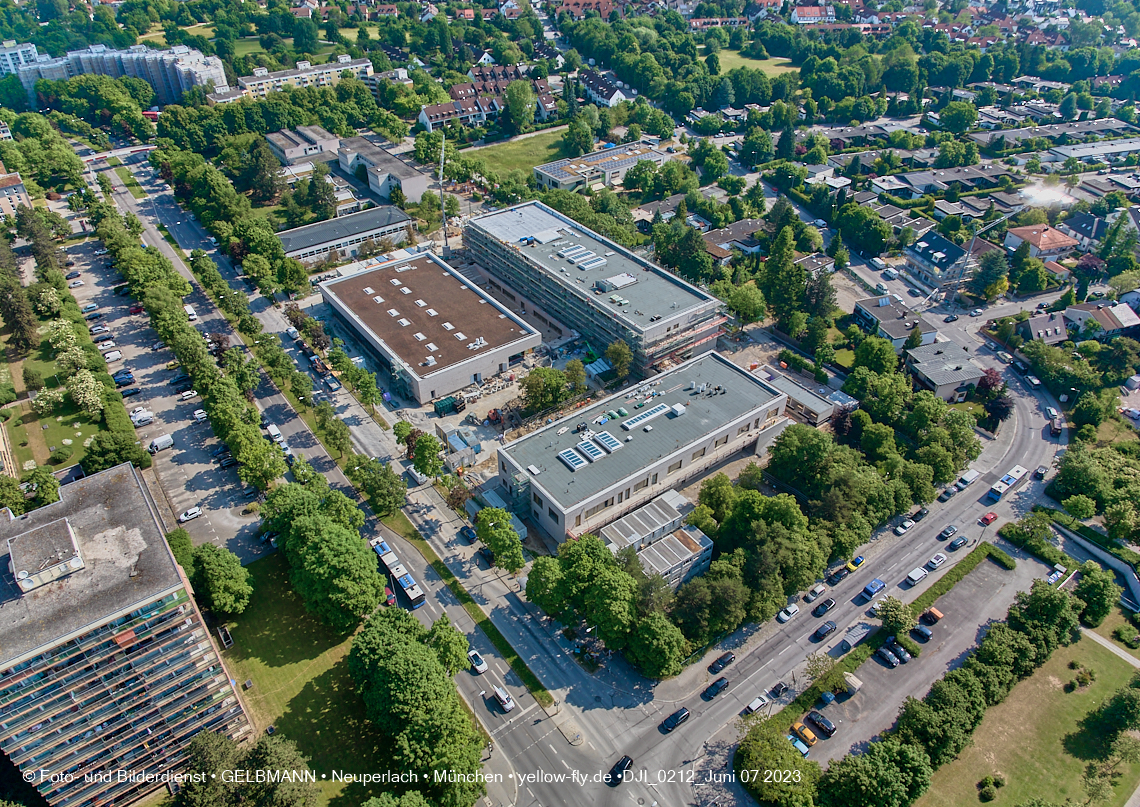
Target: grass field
[[1111, 623], [1034, 738], [159, 36], [252, 44], [1115, 431], [523, 154], [131, 183], [301, 683], [350, 33], [730, 59]]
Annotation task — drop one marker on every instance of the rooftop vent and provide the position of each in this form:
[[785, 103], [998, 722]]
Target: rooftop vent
[[377, 299], [431, 312], [420, 337], [447, 326], [420, 303], [368, 290]]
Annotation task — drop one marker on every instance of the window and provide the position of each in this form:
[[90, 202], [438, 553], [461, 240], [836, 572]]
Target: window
[[537, 500], [771, 413], [676, 466], [652, 481], [698, 454], [597, 508], [578, 520], [644, 483], [553, 515], [720, 441], [742, 430]]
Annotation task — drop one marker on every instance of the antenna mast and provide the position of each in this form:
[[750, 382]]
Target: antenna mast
[[442, 207]]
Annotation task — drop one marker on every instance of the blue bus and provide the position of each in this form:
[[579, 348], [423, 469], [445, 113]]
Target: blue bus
[[396, 571], [1008, 482]]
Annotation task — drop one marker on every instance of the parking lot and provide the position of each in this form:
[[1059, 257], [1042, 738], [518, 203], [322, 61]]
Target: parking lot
[[188, 472]]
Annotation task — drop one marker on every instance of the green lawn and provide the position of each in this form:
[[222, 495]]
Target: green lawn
[[973, 407], [1034, 738], [350, 33], [252, 44], [114, 161], [1115, 431], [131, 183], [522, 154], [301, 684], [159, 36], [730, 59], [845, 357], [1111, 622]]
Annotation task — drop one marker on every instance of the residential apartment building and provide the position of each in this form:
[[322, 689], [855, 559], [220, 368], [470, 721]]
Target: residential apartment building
[[608, 459], [305, 74], [1049, 328], [944, 368], [341, 237], [169, 72], [600, 89], [385, 171], [937, 262], [1112, 319], [593, 285], [13, 56], [301, 144], [432, 329], [607, 166], [808, 15], [886, 316], [13, 194], [105, 662], [467, 112], [665, 545], [1045, 242]]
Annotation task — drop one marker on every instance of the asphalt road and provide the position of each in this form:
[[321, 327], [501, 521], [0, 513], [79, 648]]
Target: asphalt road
[[614, 711]]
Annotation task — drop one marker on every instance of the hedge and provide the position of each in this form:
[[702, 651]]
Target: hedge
[[969, 563], [1042, 549], [909, 644], [1067, 521]]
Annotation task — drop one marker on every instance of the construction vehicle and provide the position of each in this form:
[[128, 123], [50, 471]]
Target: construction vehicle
[[495, 416]]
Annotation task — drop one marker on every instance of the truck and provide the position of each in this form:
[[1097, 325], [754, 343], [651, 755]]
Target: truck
[[318, 365], [873, 588], [191, 314], [967, 479]]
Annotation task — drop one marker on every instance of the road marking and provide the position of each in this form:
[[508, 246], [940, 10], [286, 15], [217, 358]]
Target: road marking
[[785, 650], [564, 763], [551, 747]]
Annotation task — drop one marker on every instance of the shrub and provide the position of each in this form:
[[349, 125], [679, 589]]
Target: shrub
[[987, 793], [32, 378], [1127, 635], [909, 645], [4, 415], [987, 781], [1074, 665], [7, 394], [60, 455], [999, 780]]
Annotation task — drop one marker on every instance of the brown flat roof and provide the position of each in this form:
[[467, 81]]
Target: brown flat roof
[[437, 305]]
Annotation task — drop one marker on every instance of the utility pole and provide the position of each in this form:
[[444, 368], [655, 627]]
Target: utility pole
[[442, 206]]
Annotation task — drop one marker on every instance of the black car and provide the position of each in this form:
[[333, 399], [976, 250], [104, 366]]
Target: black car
[[94, 315], [1020, 367], [947, 494], [946, 533], [677, 718], [779, 689], [920, 515], [178, 379], [898, 650], [913, 292], [838, 574], [71, 275], [823, 607], [1040, 472], [956, 544], [227, 462], [127, 393], [617, 773], [185, 386], [220, 450], [722, 662], [951, 318], [715, 688], [467, 534], [488, 556], [124, 381], [922, 632], [889, 657], [825, 630], [825, 725]]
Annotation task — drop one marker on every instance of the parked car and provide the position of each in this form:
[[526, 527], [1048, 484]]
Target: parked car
[[788, 613], [129, 392], [987, 519], [183, 387], [950, 318], [936, 561], [837, 575], [778, 690], [1040, 472], [887, 656], [467, 534], [902, 529], [805, 734], [93, 316], [75, 284], [1050, 413], [946, 533], [71, 275], [227, 462], [922, 632], [823, 607], [487, 555], [477, 662], [190, 515], [135, 309], [721, 662], [98, 329], [825, 630], [956, 544], [898, 650], [825, 726], [920, 514], [855, 563], [948, 494], [187, 395]]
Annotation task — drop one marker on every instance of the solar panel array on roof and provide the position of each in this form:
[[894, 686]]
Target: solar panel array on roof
[[574, 461], [607, 441], [593, 263], [581, 257], [645, 417], [590, 451]]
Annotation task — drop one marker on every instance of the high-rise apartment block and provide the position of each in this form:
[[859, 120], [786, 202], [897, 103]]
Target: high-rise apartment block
[[13, 56], [106, 668], [170, 72], [305, 74]]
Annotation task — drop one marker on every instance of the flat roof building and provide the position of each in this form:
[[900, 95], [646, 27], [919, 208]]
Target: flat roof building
[[605, 460], [804, 405], [300, 144], [887, 317], [105, 662], [385, 171], [343, 236], [433, 330], [594, 285], [665, 545], [305, 74], [607, 166]]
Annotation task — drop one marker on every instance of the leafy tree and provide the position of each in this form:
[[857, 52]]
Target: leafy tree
[[991, 278], [619, 355], [943, 722], [220, 580], [1088, 410], [877, 355], [765, 746], [1080, 506], [544, 388], [1098, 590], [333, 571], [747, 302], [449, 644], [959, 116], [495, 530], [575, 374], [897, 617], [1000, 408], [108, 449], [11, 496], [521, 103], [783, 280], [913, 340], [86, 391], [210, 754], [386, 490], [888, 774], [1049, 617], [656, 646], [182, 547]]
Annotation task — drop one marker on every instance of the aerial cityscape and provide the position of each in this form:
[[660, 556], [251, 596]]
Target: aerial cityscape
[[669, 403]]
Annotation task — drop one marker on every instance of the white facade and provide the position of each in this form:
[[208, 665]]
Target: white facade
[[13, 57]]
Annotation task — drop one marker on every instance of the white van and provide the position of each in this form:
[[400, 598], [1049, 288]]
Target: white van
[[159, 443], [292, 334], [916, 576], [504, 698], [113, 356], [890, 273], [878, 263], [416, 476], [967, 479], [191, 314], [274, 433]]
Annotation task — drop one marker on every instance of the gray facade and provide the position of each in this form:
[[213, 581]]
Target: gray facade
[[581, 472], [385, 171], [302, 143], [608, 166], [105, 662], [434, 331], [344, 235], [665, 544], [599, 288]]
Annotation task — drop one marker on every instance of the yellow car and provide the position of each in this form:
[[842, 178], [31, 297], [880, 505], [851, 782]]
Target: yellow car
[[171, 365], [855, 563], [805, 734]]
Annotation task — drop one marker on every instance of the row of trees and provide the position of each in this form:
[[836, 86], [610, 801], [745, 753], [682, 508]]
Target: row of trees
[[114, 104], [42, 157], [896, 771]]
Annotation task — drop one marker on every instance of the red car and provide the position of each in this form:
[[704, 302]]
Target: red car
[[136, 309], [389, 597], [988, 518]]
